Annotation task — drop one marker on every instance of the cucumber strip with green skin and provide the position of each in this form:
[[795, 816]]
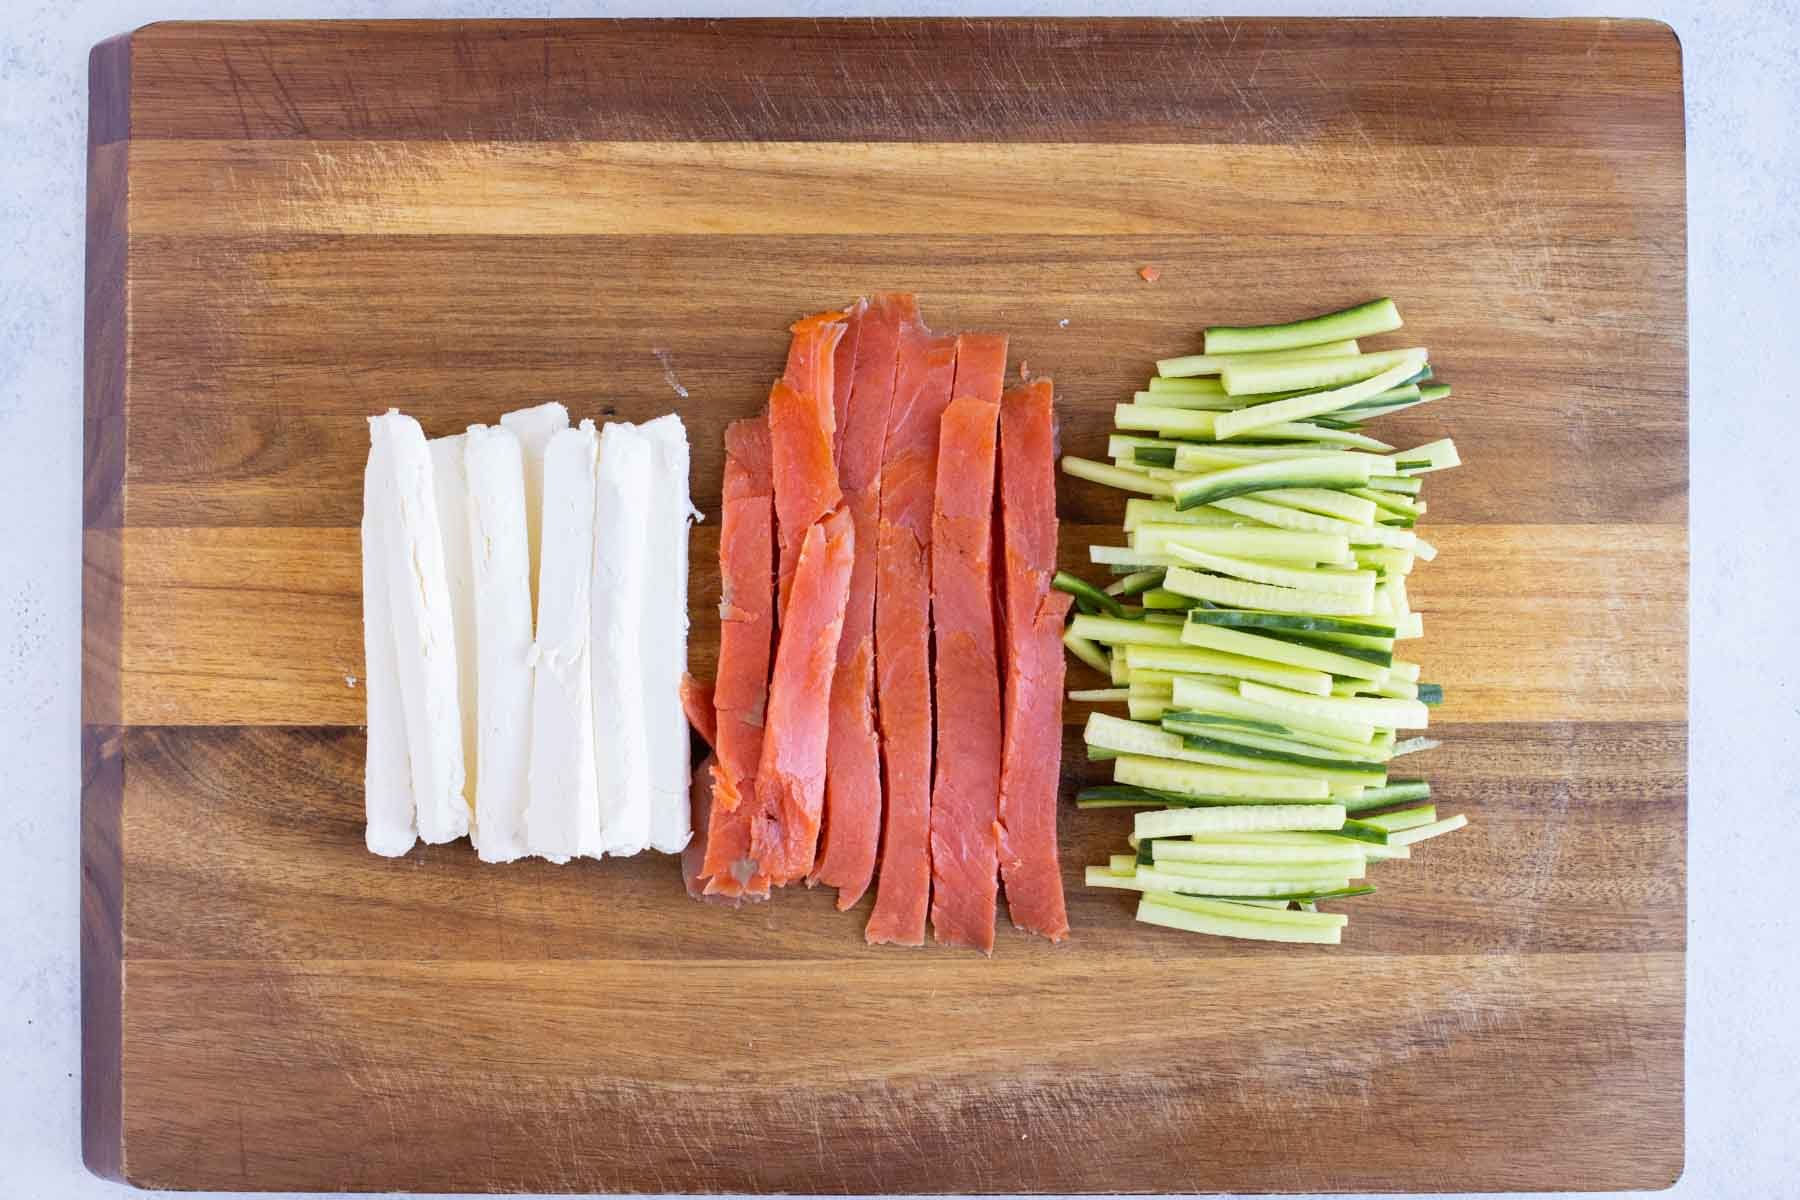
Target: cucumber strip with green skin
[[1195, 660], [1116, 477], [1357, 321], [1223, 787], [1432, 456], [1196, 457], [1348, 860], [1240, 594], [1392, 502], [1284, 516], [1319, 579], [1163, 419], [1321, 471], [1326, 502], [1145, 683], [1081, 589], [1338, 382], [1118, 669], [1145, 856], [1101, 754], [1407, 818], [1154, 878], [1140, 512], [1306, 898], [1373, 662], [1390, 714], [1253, 758], [1200, 401], [1162, 598], [1118, 794], [1421, 833], [1186, 721], [1314, 874], [1397, 791], [1115, 695], [1118, 631], [1389, 560], [1207, 697], [1371, 852], [1408, 671], [1260, 645], [1398, 484], [1128, 559], [1362, 831], [1431, 694], [1147, 708], [1190, 365], [1153, 456], [1391, 689], [1122, 864], [1185, 386], [1400, 395], [1263, 545], [1336, 423], [1123, 445], [1289, 622], [1413, 745], [1258, 818], [1231, 920], [1085, 650], [1137, 583]]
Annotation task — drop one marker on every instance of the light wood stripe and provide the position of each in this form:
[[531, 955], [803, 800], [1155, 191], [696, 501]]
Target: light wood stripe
[[226, 626], [890, 189]]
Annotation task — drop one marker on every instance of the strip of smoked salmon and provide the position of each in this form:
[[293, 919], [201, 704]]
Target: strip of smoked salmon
[[1032, 617], [843, 378], [790, 783], [746, 640], [852, 832], [965, 794], [802, 430], [926, 371]]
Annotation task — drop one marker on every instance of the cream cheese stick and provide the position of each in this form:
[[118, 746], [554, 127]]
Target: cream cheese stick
[[667, 512], [534, 427], [621, 550], [452, 486], [500, 565], [562, 819], [424, 633], [387, 778]]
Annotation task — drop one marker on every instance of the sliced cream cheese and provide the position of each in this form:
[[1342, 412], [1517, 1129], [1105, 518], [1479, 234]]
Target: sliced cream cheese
[[501, 570], [621, 549], [534, 427], [424, 633], [562, 819], [387, 774], [668, 511], [452, 487]]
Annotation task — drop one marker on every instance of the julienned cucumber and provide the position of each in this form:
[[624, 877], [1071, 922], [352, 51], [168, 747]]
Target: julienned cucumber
[[1272, 538], [1358, 321]]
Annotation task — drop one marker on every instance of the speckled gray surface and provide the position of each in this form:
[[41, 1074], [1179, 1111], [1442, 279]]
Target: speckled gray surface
[[1743, 97]]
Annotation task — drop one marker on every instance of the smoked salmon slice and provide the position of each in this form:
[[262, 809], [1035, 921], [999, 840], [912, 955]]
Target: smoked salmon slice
[[852, 832], [965, 794], [1033, 617], [790, 781], [746, 639], [802, 430], [924, 375]]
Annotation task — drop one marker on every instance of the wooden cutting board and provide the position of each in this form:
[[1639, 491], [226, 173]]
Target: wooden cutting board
[[292, 226]]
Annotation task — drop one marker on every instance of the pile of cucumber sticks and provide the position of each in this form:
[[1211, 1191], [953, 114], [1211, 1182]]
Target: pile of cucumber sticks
[[1250, 632]]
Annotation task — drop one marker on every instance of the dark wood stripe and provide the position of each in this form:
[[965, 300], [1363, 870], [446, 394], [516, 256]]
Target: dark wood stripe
[[1592, 83], [103, 884], [581, 1076], [233, 834]]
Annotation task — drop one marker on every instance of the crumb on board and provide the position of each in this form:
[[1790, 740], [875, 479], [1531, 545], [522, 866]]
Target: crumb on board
[[1063, 324], [1024, 370], [1149, 273], [349, 681]]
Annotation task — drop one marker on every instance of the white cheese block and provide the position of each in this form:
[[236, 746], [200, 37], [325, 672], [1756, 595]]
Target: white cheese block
[[424, 633], [563, 818], [387, 776], [621, 549], [495, 468], [534, 427], [668, 510], [452, 487]]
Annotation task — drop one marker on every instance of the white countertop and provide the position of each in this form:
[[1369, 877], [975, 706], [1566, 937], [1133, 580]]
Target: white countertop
[[1743, 100]]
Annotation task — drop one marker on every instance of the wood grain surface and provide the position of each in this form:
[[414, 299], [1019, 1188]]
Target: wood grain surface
[[292, 226]]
